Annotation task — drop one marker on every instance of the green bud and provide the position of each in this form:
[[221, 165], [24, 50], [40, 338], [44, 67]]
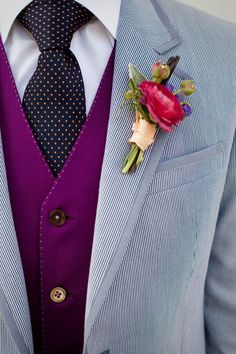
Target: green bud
[[160, 71], [188, 87]]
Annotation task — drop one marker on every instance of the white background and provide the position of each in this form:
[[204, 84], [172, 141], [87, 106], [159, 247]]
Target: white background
[[221, 8]]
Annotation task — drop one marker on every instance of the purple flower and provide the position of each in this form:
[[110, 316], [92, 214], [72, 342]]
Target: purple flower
[[170, 87], [187, 109], [180, 96]]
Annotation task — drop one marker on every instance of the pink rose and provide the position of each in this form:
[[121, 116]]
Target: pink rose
[[162, 105]]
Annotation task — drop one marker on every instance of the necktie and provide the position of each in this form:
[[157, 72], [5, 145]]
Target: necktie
[[54, 99]]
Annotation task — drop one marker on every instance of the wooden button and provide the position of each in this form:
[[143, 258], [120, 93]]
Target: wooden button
[[58, 294], [57, 217]]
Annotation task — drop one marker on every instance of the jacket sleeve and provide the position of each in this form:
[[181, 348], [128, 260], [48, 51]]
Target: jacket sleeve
[[220, 290]]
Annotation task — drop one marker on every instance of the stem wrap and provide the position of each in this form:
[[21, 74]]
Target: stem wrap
[[144, 132]]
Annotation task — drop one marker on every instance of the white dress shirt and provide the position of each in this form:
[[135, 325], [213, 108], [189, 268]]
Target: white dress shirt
[[92, 44]]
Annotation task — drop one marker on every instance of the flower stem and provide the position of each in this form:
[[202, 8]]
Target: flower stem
[[140, 158], [130, 158]]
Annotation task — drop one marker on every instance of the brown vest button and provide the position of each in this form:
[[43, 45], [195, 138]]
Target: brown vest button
[[57, 217], [58, 294]]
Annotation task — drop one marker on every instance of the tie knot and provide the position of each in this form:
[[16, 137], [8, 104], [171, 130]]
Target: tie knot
[[53, 22]]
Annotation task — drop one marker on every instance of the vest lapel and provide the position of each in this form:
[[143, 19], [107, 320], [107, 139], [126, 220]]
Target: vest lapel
[[121, 196]]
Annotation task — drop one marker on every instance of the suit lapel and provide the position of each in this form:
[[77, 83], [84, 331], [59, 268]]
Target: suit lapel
[[13, 301], [121, 196]]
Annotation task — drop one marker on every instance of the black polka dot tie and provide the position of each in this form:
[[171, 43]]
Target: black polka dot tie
[[54, 99]]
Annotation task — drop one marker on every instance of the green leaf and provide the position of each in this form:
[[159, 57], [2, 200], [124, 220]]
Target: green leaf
[[143, 112], [131, 85], [135, 75]]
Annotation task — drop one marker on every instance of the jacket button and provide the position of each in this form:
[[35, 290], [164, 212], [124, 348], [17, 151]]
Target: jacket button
[[58, 294], [57, 217]]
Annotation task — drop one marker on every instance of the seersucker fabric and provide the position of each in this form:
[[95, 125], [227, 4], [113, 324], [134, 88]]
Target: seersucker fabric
[[54, 99], [162, 275]]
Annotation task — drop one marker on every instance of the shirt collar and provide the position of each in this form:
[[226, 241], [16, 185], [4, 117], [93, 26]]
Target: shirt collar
[[107, 11]]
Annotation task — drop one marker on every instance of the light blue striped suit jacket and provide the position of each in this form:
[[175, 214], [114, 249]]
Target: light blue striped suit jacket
[[163, 268]]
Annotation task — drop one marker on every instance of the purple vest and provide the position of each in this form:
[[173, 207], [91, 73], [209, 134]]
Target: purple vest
[[55, 247]]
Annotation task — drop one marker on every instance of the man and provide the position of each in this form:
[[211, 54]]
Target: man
[[159, 244]]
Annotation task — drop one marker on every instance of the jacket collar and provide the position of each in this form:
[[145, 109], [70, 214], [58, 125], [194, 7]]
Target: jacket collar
[[158, 30]]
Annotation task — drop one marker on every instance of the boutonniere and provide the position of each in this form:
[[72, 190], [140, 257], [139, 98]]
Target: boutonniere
[[156, 105]]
